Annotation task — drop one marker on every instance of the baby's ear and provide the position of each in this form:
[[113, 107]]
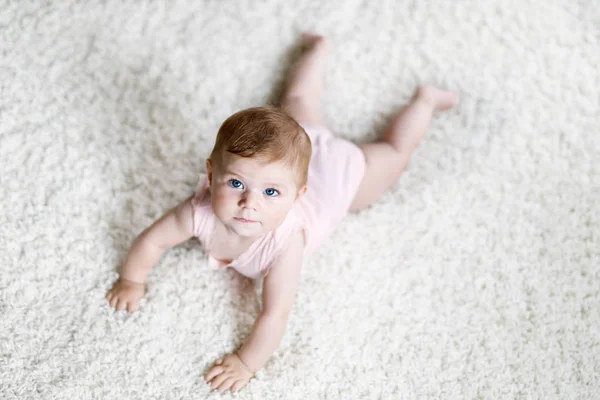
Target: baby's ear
[[301, 192], [209, 170]]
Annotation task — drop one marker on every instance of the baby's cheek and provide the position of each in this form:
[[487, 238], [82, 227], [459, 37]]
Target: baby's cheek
[[222, 203]]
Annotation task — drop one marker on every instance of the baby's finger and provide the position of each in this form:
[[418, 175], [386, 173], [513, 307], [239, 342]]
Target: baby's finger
[[121, 305], [218, 380], [226, 384], [133, 305], [114, 301], [238, 385], [214, 371], [109, 296]]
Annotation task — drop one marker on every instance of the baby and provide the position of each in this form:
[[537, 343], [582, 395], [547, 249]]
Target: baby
[[277, 182]]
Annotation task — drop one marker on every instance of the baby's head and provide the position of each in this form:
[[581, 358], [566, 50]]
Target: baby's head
[[257, 169]]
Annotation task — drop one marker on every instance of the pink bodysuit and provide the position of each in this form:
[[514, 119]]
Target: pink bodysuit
[[335, 172]]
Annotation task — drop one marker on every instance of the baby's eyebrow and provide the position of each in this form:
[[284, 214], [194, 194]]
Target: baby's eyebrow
[[230, 172]]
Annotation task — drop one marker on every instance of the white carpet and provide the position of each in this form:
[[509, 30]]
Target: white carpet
[[477, 276]]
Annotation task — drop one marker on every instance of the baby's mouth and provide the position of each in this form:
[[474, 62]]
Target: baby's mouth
[[244, 220]]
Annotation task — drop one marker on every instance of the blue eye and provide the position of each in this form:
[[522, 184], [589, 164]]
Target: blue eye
[[234, 183], [271, 192]]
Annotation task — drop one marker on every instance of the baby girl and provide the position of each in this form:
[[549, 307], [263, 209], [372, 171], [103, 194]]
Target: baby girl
[[277, 182]]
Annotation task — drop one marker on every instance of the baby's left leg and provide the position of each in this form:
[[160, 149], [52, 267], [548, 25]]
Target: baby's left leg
[[387, 158], [302, 95]]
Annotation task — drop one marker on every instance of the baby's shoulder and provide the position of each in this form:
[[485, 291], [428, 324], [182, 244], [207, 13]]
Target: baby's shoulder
[[201, 196], [202, 211], [292, 222]]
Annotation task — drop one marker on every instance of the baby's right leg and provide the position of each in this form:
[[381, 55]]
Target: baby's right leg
[[387, 157], [302, 96]]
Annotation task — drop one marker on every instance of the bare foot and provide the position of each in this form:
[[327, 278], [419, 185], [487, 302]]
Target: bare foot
[[305, 78], [312, 40], [439, 99]]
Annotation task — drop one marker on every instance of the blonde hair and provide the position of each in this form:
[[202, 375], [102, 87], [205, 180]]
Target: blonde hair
[[265, 132]]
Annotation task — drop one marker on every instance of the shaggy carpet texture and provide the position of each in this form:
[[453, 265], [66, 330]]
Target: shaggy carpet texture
[[476, 276]]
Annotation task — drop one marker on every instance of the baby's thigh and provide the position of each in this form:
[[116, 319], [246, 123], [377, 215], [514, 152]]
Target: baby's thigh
[[383, 167]]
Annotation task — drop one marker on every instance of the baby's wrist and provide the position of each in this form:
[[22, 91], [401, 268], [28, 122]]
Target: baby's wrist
[[252, 371], [132, 281]]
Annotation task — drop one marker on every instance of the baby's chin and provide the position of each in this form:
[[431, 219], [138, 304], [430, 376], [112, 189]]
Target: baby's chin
[[247, 229], [252, 229]]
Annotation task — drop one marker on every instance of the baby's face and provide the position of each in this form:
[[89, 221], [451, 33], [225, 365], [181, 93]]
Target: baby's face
[[250, 196]]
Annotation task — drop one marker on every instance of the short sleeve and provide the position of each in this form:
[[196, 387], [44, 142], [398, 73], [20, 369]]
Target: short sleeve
[[291, 225], [201, 210]]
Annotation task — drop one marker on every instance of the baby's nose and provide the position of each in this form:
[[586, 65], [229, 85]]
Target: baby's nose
[[250, 200]]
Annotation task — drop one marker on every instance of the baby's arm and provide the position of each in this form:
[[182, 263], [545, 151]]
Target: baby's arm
[[279, 291], [175, 227]]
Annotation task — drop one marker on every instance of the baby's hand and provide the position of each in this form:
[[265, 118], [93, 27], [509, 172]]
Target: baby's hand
[[228, 372], [125, 293]]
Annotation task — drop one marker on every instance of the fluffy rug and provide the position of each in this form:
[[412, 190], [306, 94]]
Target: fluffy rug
[[475, 277]]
